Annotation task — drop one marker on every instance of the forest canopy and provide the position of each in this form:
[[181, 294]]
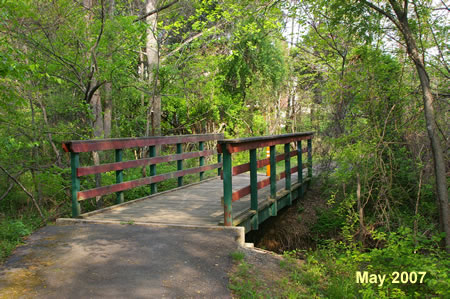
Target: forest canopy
[[369, 77]]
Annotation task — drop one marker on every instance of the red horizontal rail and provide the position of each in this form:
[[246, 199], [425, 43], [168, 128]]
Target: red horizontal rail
[[236, 195], [141, 162], [79, 146], [140, 182], [261, 163], [238, 145]]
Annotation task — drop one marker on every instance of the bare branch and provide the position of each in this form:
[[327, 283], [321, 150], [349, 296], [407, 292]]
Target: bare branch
[[24, 190], [383, 12], [7, 191], [445, 5], [189, 40], [155, 11]]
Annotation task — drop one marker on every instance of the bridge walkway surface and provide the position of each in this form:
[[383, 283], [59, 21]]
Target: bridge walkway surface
[[196, 204]]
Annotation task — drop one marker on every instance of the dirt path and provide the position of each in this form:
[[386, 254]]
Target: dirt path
[[119, 261]]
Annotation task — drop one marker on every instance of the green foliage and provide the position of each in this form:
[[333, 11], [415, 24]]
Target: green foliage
[[329, 223], [11, 233], [330, 271]]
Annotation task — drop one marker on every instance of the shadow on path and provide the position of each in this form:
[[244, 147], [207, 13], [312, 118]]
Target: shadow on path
[[119, 261]]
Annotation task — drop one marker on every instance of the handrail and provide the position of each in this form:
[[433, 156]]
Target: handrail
[[75, 147], [242, 144], [79, 146], [229, 146]]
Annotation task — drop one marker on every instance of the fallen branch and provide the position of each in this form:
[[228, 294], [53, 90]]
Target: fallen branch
[[24, 190]]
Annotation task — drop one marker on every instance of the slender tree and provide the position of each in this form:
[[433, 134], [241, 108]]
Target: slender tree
[[399, 18]]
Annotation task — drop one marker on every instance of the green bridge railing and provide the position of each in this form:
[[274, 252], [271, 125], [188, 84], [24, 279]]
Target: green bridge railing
[[118, 145], [257, 214]]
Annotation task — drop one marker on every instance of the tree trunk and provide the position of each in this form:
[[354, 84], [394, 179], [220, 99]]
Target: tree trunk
[[436, 147], [107, 117], [95, 102], [152, 52], [360, 208]]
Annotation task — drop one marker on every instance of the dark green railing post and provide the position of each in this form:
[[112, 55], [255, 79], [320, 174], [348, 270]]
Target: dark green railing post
[[254, 187], [300, 167], [201, 159], [273, 180], [309, 160], [227, 188], [219, 159], [273, 173], [74, 164], [119, 176], [287, 169], [152, 152], [299, 162], [180, 163]]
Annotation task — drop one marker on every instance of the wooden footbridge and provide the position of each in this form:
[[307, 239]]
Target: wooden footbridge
[[236, 196]]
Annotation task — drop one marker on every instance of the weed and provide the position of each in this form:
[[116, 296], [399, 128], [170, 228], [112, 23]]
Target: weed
[[237, 256], [11, 234], [130, 222]]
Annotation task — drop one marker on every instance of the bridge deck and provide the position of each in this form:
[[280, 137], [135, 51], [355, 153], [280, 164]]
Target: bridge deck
[[198, 204]]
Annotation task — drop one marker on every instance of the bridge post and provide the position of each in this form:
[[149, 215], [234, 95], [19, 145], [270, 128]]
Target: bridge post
[[227, 188], [287, 169], [273, 180], [74, 164], [219, 159], [201, 159], [180, 163], [152, 152], [309, 160], [119, 176], [300, 165], [254, 187]]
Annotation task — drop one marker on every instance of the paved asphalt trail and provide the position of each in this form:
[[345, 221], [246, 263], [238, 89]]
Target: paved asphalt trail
[[119, 261]]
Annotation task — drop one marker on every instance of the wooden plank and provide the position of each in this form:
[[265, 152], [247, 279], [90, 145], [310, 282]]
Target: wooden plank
[[236, 195], [81, 171], [260, 163], [265, 138], [78, 146], [140, 182], [235, 148], [238, 145]]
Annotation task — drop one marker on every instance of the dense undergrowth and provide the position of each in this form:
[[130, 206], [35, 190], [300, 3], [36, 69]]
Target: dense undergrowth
[[326, 258], [330, 272]]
